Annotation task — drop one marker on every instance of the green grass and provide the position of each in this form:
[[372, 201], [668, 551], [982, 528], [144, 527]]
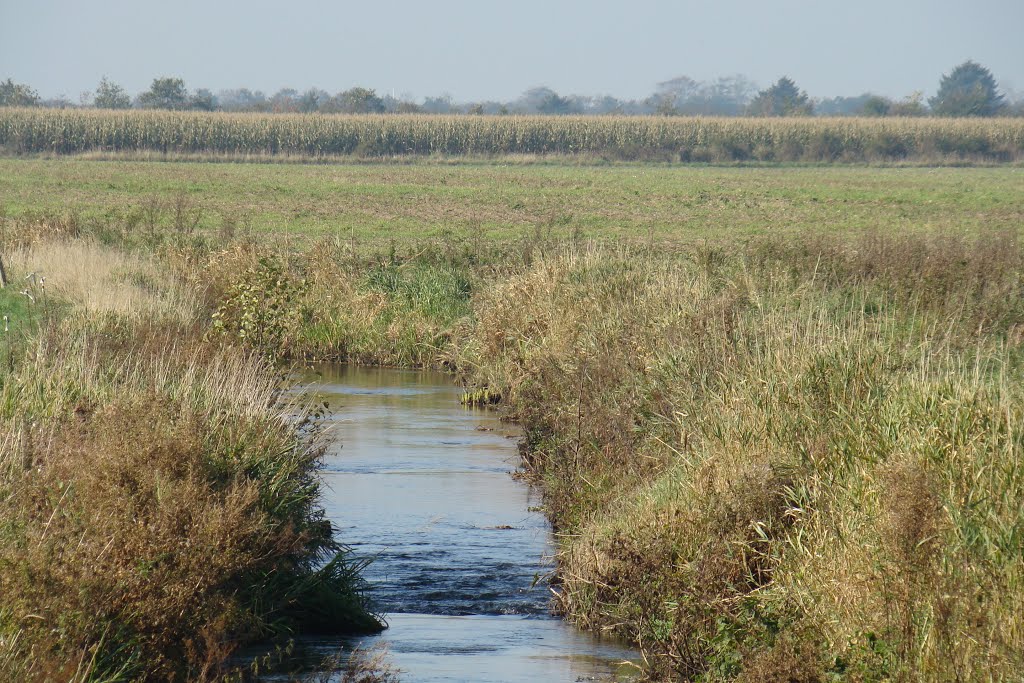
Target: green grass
[[19, 319], [16, 307], [488, 202]]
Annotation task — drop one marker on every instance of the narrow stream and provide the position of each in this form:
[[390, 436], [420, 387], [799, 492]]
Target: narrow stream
[[422, 485]]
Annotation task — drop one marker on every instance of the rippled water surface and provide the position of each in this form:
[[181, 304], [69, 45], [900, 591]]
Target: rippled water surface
[[423, 485]]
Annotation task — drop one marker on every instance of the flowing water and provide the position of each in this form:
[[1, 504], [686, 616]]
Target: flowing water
[[423, 486]]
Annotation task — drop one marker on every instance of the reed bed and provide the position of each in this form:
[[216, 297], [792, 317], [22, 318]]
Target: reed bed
[[40, 131]]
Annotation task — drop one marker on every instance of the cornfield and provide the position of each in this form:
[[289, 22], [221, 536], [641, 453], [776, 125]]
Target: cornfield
[[34, 131]]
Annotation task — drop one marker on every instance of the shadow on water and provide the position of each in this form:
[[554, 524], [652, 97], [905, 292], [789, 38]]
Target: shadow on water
[[421, 484]]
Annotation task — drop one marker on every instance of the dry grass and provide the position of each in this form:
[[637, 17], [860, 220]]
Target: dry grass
[[793, 460], [798, 463], [363, 665], [98, 280]]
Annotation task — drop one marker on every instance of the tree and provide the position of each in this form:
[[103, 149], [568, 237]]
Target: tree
[[556, 104], [442, 104], [911, 105], [662, 104], [842, 105], [784, 98], [203, 100], [110, 95], [606, 104], [968, 90], [165, 93], [876, 105], [674, 94], [359, 101], [726, 96], [312, 100], [242, 99], [729, 95], [17, 95], [531, 100], [405, 105], [285, 100]]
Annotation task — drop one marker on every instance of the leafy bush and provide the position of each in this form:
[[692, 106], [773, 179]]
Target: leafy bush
[[262, 309]]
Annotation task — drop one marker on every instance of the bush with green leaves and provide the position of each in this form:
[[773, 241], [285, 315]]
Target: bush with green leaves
[[262, 309]]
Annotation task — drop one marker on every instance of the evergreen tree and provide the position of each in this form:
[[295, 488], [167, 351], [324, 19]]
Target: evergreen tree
[[782, 99], [968, 90]]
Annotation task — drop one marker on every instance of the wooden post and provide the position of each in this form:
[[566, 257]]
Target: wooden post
[[3, 274]]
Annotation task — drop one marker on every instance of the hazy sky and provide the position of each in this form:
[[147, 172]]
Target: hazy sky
[[495, 50]]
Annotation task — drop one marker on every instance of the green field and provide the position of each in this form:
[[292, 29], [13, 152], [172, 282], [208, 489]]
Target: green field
[[638, 202]]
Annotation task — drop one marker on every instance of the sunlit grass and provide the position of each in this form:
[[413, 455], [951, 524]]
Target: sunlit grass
[[471, 205]]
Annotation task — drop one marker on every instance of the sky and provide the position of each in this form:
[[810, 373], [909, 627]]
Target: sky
[[485, 50]]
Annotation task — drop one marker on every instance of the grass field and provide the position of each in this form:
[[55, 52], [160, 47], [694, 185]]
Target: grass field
[[775, 412], [474, 201]]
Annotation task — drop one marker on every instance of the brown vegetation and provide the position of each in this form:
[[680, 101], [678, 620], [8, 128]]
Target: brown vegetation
[[792, 464], [789, 460]]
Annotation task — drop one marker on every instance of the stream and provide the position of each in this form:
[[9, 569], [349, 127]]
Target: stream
[[422, 485]]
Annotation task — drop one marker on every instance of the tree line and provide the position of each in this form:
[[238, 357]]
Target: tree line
[[969, 89]]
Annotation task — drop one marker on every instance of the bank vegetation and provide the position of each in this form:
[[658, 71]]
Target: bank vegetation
[[159, 498], [793, 458]]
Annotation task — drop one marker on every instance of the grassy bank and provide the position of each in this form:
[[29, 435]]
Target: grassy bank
[[158, 492], [777, 432], [795, 459], [679, 139], [798, 462]]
